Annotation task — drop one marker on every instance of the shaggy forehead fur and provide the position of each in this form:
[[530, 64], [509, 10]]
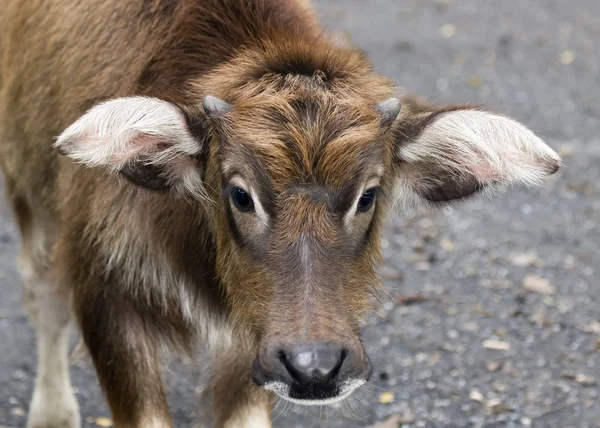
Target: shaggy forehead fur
[[311, 120], [306, 139]]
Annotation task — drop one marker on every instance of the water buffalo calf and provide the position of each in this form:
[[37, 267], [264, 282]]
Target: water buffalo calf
[[216, 171]]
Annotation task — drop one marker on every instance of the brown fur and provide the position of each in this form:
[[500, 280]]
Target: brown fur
[[304, 134]]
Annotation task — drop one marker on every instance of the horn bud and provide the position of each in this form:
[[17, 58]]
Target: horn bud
[[388, 110], [214, 106]]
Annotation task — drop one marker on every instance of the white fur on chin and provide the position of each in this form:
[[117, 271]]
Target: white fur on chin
[[282, 390]]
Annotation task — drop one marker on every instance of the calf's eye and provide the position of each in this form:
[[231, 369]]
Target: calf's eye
[[366, 200], [241, 199]]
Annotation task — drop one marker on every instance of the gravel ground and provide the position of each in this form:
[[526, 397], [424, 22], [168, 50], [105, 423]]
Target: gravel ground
[[499, 323]]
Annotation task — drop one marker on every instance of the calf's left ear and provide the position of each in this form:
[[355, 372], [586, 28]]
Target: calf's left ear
[[448, 154], [147, 140]]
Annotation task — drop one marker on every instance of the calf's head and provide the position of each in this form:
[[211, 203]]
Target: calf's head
[[297, 175]]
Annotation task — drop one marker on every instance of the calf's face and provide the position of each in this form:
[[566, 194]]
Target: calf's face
[[297, 185], [303, 187]]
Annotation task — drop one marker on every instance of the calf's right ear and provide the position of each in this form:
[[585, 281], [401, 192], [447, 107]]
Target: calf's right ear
[[147, 140]]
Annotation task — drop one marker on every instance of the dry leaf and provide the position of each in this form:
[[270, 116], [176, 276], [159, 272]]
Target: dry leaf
[[475, 81], [526, 259], [497, 345], [423, 266], [500, 284], [566, 150], [103, 422], [386, 397], [502, 332], [539, 317], [392, 274], [497, 406], [537, 284], [471, 326], [391, 422], [581, 378], [500, 387], [418, 246], [593, 327], [407, 417], [509, 370], [585, 380], [411, 299], [395, 421], [447, 245], [435, 358]]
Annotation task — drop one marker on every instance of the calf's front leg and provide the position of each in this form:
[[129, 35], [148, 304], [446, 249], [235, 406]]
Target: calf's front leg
[[124, 348], [237, 401]]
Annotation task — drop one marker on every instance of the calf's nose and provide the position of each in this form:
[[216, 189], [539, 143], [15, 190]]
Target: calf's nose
[[311, 372], [314, 364]]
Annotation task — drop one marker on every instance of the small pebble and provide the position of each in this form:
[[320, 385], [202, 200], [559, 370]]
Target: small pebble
[[567, 57], [493, 366], [475, 395], [537, 284], [448, 31], [17, 411]]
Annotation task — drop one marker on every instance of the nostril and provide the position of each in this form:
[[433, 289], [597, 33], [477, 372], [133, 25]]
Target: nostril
[[343, 356], [334, 372], [285, 361]]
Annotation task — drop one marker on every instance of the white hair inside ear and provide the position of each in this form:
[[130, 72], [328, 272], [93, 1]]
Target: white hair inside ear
[[137, 134], [460, 152]]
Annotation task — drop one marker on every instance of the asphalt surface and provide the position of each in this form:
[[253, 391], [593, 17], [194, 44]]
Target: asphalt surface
[[464, 269]]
